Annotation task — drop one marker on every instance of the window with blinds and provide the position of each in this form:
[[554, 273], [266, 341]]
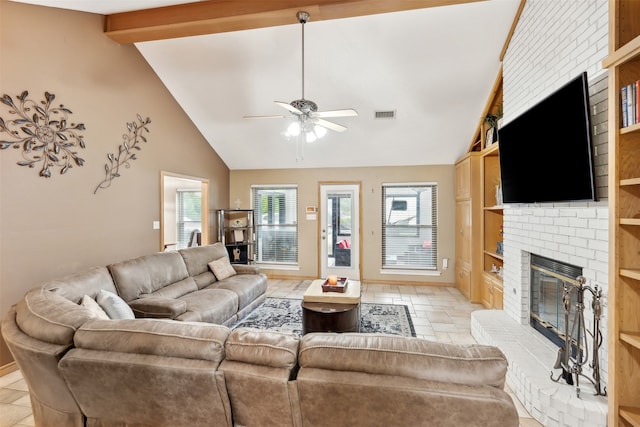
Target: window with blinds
[[276, 216], [188, 217], [409, 226]]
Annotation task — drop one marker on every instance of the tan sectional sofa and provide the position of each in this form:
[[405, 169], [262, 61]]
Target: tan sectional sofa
[[85, 371]]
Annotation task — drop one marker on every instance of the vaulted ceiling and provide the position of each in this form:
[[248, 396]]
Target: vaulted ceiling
[[433, 64]]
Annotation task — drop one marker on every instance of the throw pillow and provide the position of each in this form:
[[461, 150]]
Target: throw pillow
[[94, 307], [222, 268], [114, 306]]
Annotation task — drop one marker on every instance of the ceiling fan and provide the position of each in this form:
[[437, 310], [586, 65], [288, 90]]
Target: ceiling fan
[[310, 120]]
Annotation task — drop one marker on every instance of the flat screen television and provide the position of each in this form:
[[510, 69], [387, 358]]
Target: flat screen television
[[546, 153]]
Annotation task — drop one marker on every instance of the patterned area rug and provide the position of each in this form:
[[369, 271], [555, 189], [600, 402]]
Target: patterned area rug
[[285, 315]]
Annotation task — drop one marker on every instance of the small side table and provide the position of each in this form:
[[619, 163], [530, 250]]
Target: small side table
[[331, 311]]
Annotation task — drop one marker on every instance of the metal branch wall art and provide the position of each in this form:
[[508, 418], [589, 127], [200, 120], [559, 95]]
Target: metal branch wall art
[[43, 132], [125, 153]]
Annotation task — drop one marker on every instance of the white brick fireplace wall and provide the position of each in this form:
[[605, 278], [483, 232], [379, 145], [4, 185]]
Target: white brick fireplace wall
[[553, 42]]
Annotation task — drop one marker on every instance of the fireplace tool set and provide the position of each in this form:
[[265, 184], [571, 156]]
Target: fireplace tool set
[[573, 355]]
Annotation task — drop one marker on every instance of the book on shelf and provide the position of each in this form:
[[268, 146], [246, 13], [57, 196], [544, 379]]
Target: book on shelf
[[630, 101], [623, 111]]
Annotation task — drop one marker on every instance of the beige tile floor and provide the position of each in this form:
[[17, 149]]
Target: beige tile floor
[[438, 313]]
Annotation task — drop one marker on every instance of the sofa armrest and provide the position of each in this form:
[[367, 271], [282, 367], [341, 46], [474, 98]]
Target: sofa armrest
[[246, 269], [158, 307]]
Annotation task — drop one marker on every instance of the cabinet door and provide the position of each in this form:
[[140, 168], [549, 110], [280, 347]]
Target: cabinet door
[[497, 296], [463, 179], [491, 291], [463, 230], [485, 290], [463, 278]]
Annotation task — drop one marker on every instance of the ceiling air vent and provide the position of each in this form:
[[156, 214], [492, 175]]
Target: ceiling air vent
[[391, 114]]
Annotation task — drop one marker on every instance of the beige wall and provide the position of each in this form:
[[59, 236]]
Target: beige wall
[[371, 180], [56, 226]]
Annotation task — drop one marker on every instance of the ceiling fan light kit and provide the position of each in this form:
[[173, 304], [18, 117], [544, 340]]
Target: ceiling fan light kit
[[308, 122]]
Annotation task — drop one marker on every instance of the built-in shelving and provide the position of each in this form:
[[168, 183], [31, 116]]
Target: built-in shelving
[[479, 212], [623, 62]]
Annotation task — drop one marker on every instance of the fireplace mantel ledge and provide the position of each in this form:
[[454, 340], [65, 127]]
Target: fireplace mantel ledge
[[531, 358]]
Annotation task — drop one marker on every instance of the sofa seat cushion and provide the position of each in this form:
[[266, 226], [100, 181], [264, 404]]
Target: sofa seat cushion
[[210, 305], [470, 364], [154, 337], [248, 287], [147, 274]]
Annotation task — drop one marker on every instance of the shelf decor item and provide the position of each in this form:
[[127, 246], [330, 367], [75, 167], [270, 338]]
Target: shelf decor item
[[490, 137], [239, 222], [492, 121]]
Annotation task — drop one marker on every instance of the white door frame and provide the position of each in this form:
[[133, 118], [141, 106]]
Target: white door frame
[[352, 271]]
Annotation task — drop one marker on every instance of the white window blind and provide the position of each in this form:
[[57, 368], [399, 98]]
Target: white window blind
[[409, 226], [188, 215], [276, 211]]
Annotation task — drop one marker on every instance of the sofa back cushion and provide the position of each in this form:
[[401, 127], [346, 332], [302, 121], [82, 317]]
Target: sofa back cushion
[[75, 286], [145, 275], [197, 260], [470, 364], [169, 338], [260, 347]]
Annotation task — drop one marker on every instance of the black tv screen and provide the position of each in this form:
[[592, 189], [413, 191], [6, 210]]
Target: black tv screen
[[546, 153]]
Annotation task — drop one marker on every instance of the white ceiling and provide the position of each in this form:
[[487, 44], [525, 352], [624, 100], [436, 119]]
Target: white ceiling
[[435, 67]]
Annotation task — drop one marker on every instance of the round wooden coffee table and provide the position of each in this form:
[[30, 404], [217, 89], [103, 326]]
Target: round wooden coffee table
[[329, 317]]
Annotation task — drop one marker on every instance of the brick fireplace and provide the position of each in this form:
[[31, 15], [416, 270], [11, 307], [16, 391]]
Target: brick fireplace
[[543, 53]]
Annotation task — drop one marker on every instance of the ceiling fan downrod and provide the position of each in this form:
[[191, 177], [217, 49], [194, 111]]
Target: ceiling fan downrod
[[303, 18]]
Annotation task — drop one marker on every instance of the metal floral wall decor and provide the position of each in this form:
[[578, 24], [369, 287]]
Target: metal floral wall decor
[[125, 151], [43, 132]]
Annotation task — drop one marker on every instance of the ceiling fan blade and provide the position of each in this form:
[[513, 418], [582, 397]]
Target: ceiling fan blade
[[329, 125], [286, 106], [349, 112], [265, 117]]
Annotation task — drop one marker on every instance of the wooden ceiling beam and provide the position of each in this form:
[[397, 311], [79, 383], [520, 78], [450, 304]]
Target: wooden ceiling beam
[[219, 16]]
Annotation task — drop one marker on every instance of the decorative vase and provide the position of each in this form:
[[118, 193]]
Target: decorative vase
[[498, 195]]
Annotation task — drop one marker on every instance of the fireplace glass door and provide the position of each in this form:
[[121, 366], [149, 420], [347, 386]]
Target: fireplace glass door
[[548, 278]]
